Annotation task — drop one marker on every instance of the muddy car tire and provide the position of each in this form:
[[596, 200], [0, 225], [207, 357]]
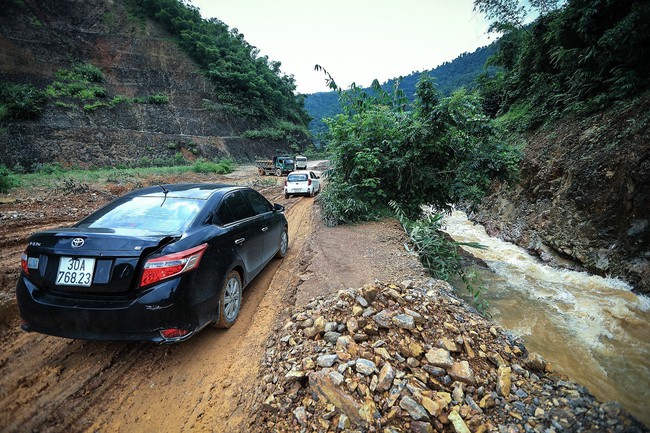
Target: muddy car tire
[[284, 244], [230, 301]]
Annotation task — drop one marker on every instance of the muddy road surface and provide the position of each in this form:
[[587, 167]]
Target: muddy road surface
[[54, 384], [205, 384]]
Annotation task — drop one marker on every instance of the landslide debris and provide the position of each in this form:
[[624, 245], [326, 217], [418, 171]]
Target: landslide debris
[[412, 358]]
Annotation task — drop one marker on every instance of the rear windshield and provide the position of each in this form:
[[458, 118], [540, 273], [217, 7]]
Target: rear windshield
[[296, 177], [146, 214]]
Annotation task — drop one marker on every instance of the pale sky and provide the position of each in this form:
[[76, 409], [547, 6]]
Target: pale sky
[[354, 40]]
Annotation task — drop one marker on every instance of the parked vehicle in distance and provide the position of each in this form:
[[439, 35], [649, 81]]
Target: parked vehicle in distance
[[157, 264], [301, 162], [278, 166], [302, 182]]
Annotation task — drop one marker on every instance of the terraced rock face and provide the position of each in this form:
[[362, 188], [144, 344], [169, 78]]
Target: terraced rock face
[[137, 60]]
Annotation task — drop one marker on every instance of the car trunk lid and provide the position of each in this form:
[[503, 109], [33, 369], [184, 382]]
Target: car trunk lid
[[90, 261]]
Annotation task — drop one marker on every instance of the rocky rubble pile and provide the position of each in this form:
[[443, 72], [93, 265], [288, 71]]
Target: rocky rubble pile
[[399, 358]]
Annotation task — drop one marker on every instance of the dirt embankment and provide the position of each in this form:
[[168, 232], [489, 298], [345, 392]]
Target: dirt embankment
[[584, 195]]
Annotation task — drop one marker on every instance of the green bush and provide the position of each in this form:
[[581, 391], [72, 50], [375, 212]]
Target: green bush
[[440, 254], [7, 179], [49, 168], [158, 99], [340, 204], [179, 159], [95, 105], [83, 72], [121, 99], [20, 101], [222, 167]]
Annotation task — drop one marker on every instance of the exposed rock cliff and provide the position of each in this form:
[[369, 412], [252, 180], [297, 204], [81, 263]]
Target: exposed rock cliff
[[137, 59], [584, 195]]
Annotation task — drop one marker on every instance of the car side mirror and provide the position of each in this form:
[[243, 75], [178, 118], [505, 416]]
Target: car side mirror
[[277, 207]]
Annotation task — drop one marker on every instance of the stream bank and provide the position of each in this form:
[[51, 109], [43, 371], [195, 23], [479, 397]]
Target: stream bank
[[593, 329]]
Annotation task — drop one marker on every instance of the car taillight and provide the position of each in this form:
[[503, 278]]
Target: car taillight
[[173, 333], [23, 263], [285, 182], [171, 265], [308, 182]]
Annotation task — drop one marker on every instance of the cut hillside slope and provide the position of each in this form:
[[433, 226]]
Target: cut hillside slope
[[137, 60], [583, 196]]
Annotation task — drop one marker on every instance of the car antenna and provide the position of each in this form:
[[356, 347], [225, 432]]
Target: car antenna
[[165, 191]]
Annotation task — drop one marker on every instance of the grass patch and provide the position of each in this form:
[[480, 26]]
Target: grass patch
[[50, 175]]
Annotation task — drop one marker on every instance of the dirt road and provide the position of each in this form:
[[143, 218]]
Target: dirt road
[[205, 384]]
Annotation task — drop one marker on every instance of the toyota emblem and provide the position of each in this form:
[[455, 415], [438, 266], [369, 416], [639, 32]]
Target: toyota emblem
[[77, 242]]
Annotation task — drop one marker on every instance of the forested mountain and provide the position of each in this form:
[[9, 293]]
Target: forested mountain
[[129, 82], [580, 58], [460, 72]]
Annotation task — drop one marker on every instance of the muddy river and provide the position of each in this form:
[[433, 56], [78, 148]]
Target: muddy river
[[593, 329]]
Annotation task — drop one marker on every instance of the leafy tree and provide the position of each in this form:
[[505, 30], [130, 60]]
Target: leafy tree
[[442, 152], [507, 15]]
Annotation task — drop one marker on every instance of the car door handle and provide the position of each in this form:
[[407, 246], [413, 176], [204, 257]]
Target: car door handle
[[265, 229], [240, 241]]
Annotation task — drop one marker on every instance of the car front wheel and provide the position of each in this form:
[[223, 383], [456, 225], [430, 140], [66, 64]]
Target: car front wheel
[[230, 300]]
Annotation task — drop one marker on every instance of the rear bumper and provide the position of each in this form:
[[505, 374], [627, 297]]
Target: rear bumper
[[167, 305], [298, 190]]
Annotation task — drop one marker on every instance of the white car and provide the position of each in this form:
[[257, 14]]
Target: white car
[[300, 162], [301, 182]]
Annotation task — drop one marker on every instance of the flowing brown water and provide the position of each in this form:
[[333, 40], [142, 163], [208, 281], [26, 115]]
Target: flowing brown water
[[593, 329]]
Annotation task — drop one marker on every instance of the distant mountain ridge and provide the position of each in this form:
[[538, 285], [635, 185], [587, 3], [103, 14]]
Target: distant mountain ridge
[[460, 72]]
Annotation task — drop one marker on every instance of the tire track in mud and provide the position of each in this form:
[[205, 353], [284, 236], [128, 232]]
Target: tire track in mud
[[207, 383]]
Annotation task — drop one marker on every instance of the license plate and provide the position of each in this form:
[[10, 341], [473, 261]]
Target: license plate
[[75, 271], [296, 190]]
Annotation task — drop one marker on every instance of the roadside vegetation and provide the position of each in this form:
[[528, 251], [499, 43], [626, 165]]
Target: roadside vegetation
[[245, 83], [75, 179]]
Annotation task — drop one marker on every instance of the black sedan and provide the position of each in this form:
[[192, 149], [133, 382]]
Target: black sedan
[[157, 264]]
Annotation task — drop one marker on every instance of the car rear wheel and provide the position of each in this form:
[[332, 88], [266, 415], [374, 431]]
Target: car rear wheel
[[261, 171], [230, 301], [284, 244]]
